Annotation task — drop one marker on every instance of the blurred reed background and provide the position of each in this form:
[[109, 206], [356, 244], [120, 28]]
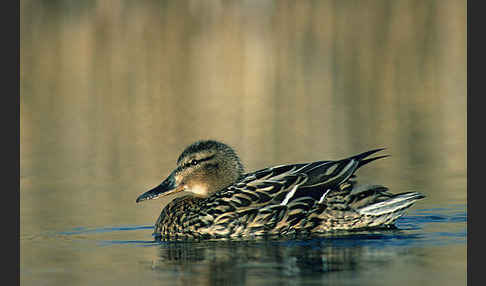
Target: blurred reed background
[[112, 92]]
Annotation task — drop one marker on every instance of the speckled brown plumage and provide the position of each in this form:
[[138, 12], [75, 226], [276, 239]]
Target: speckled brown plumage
[[308, 198]]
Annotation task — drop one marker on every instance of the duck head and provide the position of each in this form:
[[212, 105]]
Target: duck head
[[204, 168]]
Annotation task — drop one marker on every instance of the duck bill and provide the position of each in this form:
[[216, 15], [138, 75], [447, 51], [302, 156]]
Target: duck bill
[[167, 187]]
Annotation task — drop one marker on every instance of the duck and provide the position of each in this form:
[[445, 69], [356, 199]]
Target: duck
[[222, 201]]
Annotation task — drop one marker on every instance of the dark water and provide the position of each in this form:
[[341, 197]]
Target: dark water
[[112, 91]]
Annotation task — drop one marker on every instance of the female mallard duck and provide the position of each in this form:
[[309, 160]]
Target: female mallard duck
[[288, 199]]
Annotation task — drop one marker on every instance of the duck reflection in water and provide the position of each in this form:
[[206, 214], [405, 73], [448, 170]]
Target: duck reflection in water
[[239, 262]]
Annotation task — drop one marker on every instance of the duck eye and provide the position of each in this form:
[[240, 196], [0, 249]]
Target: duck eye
[[193, 162]]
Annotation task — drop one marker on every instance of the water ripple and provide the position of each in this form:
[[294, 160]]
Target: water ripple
[[409, 231]]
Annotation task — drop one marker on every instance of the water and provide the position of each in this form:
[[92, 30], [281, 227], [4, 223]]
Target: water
[[361, 258], [113, 91]]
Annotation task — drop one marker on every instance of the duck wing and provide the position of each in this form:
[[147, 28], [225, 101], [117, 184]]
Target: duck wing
[[286, 183], [278, 197]]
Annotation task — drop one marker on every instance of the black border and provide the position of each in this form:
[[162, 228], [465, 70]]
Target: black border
[[12, 171]]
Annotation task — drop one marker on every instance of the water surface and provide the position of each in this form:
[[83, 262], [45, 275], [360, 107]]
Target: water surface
[[424, 240]]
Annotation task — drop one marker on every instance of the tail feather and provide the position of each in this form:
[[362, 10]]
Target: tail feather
[[366, 161], [363, 155], [396, 203]]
